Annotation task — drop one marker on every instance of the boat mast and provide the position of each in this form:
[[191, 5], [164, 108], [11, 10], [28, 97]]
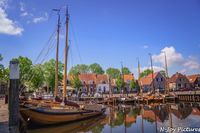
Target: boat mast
[[65, 58], [140, 85], [152, 74], [122, 75], [166, 71], [57, 50]]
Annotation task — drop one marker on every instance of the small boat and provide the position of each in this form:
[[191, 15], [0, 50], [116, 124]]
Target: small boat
[[57, 115]]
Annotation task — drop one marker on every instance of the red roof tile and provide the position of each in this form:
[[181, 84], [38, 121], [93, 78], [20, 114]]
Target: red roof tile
[[192, 78], [176, 76], [148, 79]]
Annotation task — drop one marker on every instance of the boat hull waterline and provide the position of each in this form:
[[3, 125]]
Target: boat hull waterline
[[43, 117]]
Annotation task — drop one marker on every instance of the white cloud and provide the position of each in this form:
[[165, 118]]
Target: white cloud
[[8, 26], [173, 57], [23, 14], [41, 19], [145, 46], [191, 63], [3, 4], [176, 59]]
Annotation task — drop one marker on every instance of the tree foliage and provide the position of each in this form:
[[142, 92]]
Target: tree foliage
[[79, 69], [49, 72], [75, 81], [4, 72], [120, 83], [132, 84], [113, 72], [125, 70], [96, 68], [37, 79], [145, 73]]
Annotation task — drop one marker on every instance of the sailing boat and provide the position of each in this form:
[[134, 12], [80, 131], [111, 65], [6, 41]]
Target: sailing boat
[[54, 112]]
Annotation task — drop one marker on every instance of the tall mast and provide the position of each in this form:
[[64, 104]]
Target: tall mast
[[65, 57], [140, 85], [166, 67], [152, 74], [122, 75], [57, 50], [166, 71]]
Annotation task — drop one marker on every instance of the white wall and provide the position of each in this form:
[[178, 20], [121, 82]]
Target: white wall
[[102, 88]]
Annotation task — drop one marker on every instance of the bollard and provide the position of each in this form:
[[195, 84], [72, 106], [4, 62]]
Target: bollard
[[13, 98]]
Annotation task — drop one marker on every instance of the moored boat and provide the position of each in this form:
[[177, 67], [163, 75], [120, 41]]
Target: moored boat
[[56, 115]]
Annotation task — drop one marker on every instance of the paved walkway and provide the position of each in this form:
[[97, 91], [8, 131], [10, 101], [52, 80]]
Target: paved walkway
[[3, 117]]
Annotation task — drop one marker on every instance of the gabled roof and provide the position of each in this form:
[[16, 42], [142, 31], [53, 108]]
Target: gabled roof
[[193, 78], [92, 77], [148, 79], [102, 78], [128, 77], [176, 76]]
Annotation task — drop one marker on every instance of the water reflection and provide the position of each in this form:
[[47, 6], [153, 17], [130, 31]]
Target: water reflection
[[140, 119]]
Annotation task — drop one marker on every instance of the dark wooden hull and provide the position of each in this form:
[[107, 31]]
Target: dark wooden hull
[[43, 117]]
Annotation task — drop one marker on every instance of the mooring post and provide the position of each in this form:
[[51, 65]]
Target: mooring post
[[13, 97]]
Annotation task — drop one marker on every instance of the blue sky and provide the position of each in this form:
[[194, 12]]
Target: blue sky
[[106, 31]]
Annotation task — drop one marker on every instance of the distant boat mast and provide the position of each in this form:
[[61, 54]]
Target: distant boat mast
[[57, 50], [139, 83], [152, 74]]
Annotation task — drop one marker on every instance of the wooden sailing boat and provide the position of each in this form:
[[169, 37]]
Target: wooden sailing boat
[[55, 113]]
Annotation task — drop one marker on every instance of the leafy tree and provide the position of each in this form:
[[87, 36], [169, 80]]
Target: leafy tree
[[49, 72], [37, 79], [25, 65], [75, 82], [4, 72], [113, 72], [125, 70], [79, 69], [132, 84], [1, 67], [5, 75], [145, 73], [120, 83], [96, 68]]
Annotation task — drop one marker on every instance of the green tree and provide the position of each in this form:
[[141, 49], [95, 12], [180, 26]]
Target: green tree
[[79, 69], [96, 68], [132, 84], [120, 83], [75, 82], [5, 75], [145, 73], [37, 79], [49, 72], [1, 67], [25, 65], [4, 72], [113, 72], [125, 70]]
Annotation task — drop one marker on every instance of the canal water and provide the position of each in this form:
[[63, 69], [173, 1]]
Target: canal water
[[176, 118]]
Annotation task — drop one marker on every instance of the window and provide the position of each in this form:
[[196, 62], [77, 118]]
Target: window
[[161, 79], [157, 79]]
